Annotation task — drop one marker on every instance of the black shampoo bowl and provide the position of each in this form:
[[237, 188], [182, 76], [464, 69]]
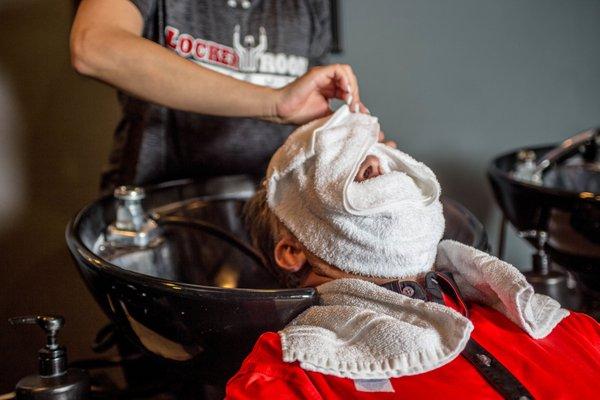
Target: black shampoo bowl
[[193, 298], [557, 211]]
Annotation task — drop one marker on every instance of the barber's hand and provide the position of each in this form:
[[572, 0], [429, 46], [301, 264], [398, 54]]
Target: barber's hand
[[389, 143], [307, 98]]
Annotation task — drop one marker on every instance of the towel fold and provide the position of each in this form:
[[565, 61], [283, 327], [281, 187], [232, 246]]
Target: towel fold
[[488, 280]]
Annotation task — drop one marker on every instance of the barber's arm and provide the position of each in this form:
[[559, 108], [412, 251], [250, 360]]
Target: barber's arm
[[106, 44]]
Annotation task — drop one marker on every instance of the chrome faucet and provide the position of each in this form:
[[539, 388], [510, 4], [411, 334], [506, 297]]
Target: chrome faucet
[[566, 148], [132, 226], [525, 166]]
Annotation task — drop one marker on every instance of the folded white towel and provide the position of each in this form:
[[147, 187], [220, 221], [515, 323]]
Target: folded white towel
[[388, 226], [364, 331], [486, 279]]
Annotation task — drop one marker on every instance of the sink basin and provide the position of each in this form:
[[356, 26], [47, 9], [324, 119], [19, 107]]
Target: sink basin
[[566, 205], [193, 298]]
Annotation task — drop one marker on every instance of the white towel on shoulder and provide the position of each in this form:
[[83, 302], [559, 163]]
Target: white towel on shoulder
[[485, 279], [363, 331]]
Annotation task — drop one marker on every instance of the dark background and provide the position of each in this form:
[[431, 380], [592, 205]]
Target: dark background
[[453, 82], [55, 132]]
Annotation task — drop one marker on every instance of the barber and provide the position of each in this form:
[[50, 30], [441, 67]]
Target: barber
[[207, 88]]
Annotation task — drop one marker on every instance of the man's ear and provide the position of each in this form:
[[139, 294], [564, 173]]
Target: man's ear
[[289, 254]]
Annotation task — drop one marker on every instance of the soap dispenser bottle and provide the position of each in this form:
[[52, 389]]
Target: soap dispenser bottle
[[55, 381]]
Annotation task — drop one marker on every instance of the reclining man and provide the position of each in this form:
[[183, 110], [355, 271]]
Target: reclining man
[[400, 313]]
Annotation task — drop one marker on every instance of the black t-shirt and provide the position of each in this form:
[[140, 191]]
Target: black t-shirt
[[268, 42]]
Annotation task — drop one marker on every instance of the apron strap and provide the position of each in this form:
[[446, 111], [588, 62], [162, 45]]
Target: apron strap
[[496, 375], [492, 370]]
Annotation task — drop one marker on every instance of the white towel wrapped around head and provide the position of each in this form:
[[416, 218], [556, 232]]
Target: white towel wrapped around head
[[387, 226]]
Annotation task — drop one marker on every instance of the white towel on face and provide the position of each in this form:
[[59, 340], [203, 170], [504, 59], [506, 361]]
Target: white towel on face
[[485, 279], [388, 226], [364, 331]]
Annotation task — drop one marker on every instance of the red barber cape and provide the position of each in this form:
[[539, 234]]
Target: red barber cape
[[564, 365]]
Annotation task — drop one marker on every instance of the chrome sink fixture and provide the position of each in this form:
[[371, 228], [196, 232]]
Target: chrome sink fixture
[[132, 227], [193, 292], [551, 195], [530, 170]]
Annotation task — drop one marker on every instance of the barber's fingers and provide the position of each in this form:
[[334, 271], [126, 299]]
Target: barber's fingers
[[353, 98], [389, 143], [330, 77], [338, 81], [349, 93], [363, 109]]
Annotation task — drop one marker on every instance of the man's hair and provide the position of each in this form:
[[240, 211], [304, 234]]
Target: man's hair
[[265, 231]]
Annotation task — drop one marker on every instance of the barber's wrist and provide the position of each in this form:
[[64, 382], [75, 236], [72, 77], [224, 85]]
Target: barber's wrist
[[270, 106]]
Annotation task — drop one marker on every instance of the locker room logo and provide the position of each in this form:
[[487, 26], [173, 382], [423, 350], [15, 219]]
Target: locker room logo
[[247, 60]]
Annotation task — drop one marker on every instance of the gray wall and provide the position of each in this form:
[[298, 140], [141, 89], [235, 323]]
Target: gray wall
[[454, 82], [457, 82]]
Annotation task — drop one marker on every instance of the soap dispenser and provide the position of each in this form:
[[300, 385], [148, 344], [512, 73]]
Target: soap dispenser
[[55, 381]]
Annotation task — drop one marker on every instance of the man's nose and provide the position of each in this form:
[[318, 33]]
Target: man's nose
[[370, 168]]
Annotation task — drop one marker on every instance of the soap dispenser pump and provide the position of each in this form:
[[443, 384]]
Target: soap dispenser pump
[[55, 381]]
